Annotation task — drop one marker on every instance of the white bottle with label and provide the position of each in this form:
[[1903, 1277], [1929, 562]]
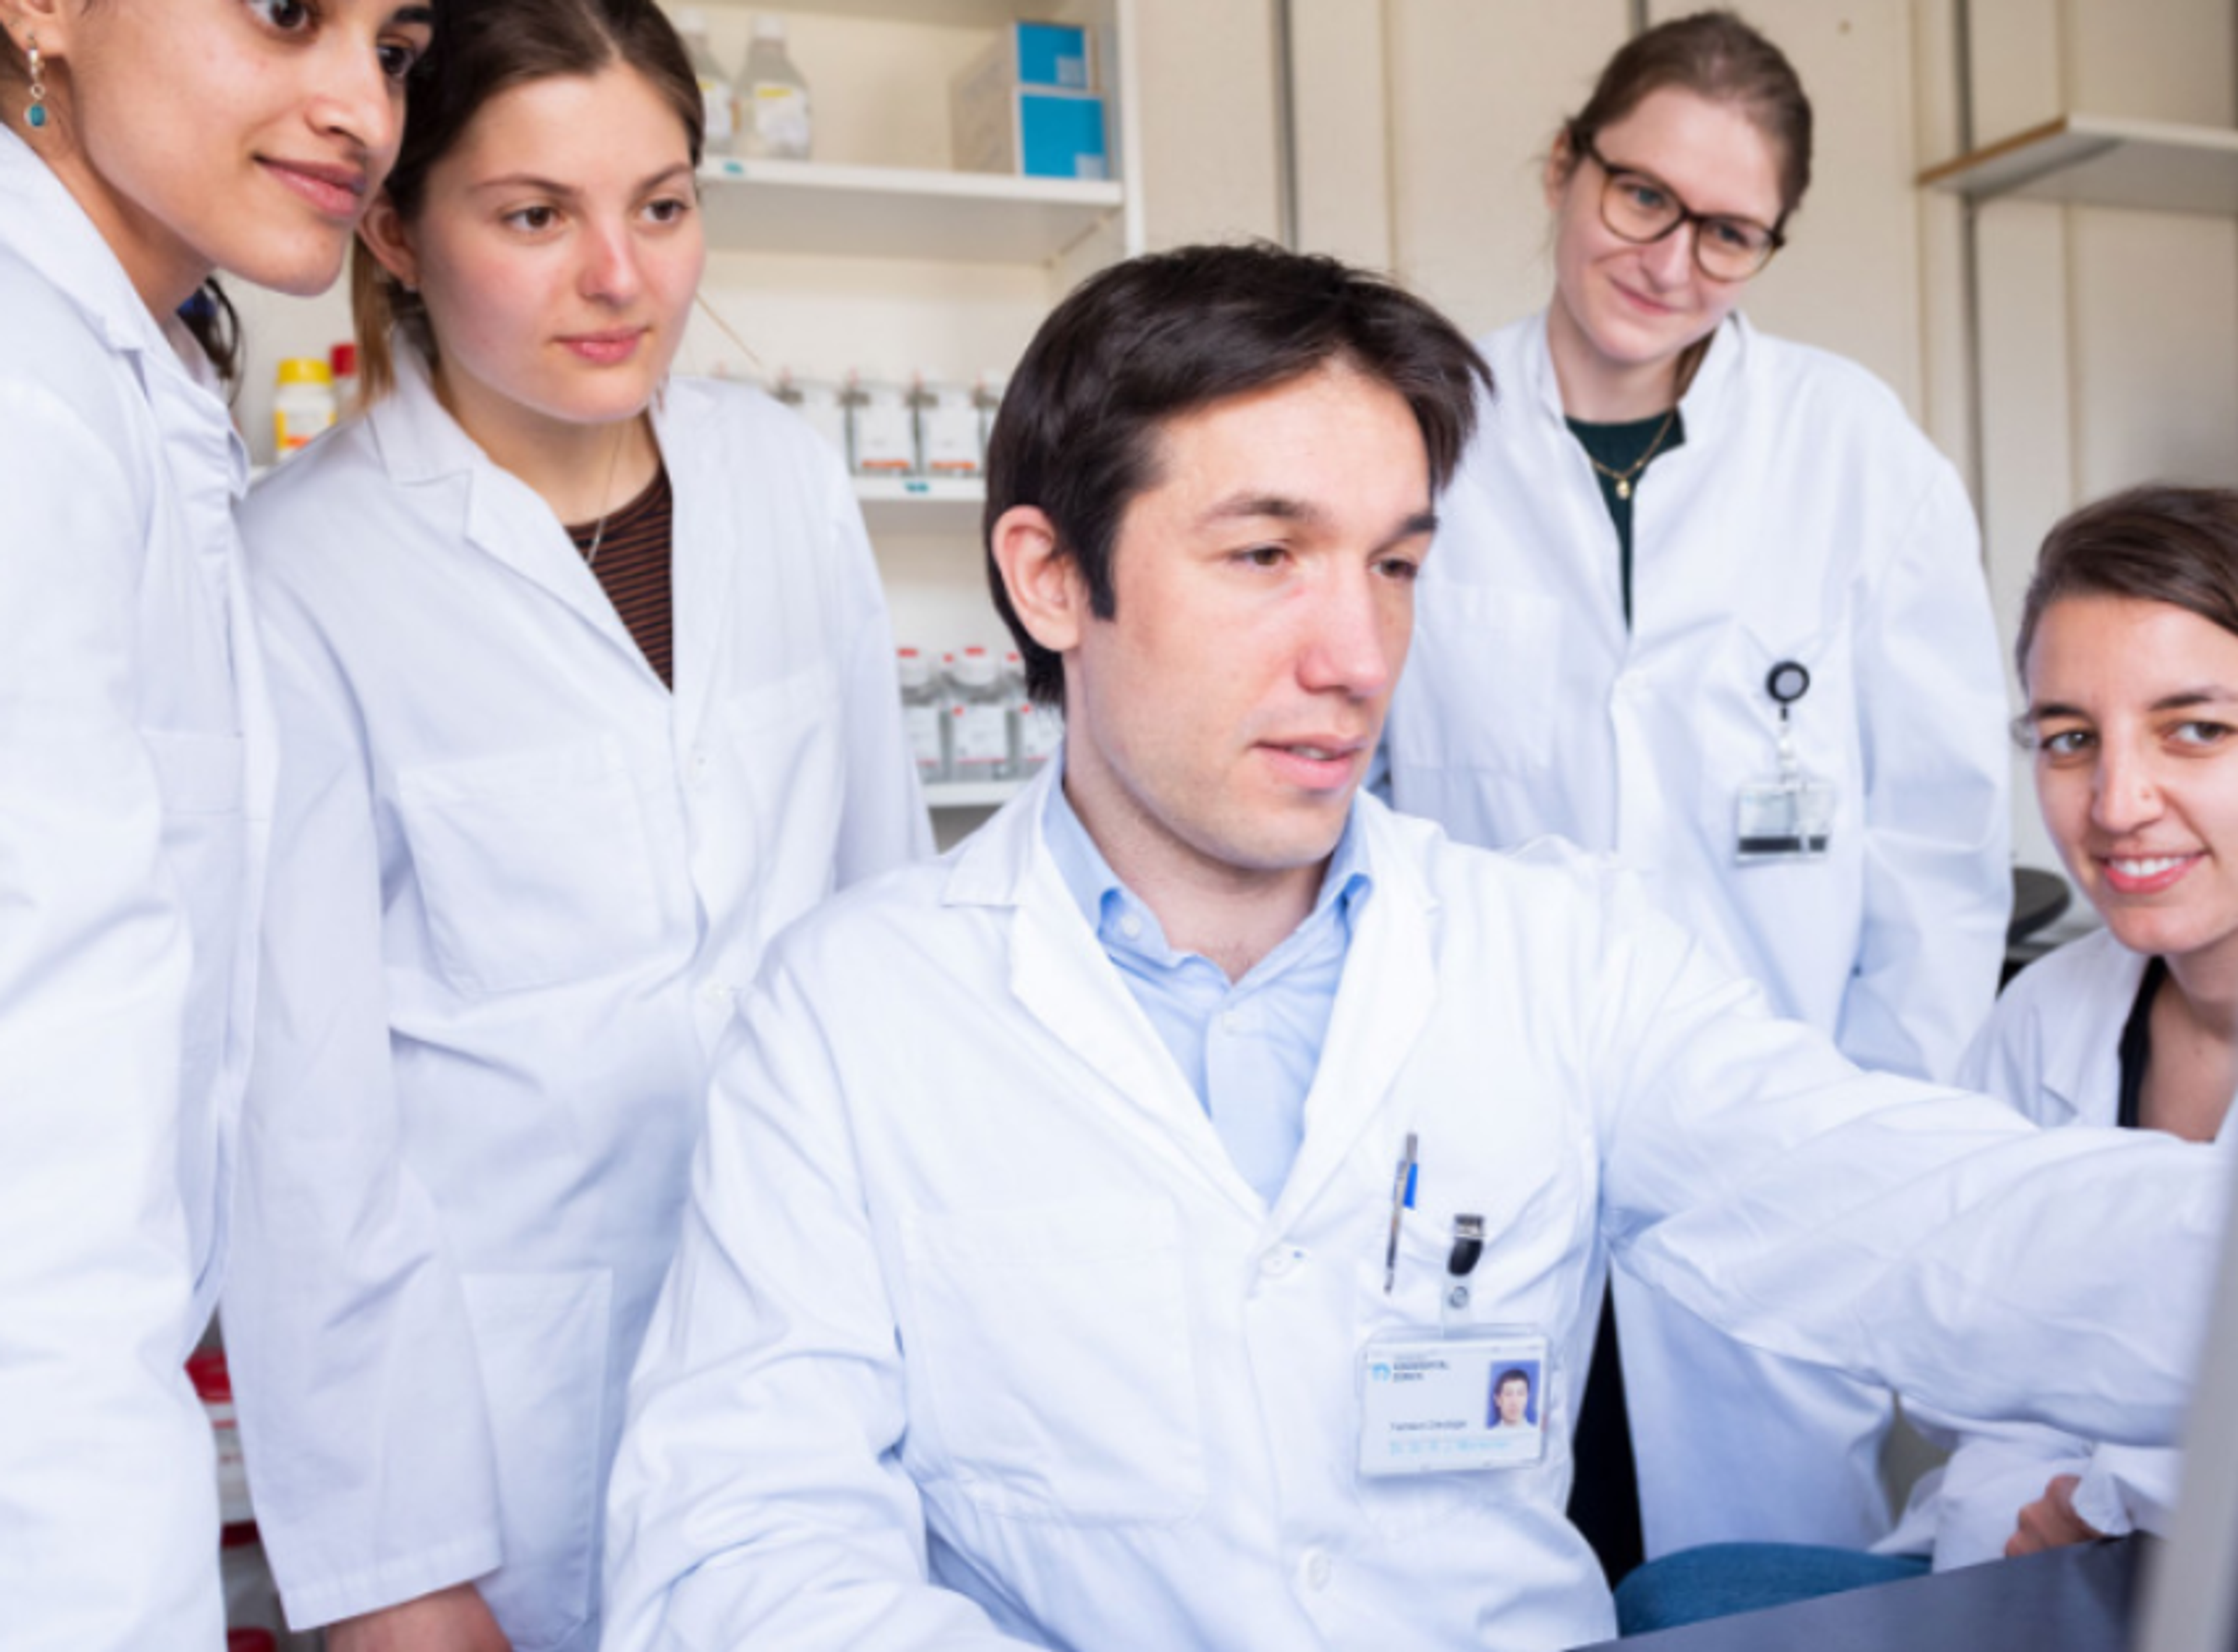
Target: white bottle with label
[[979, 719], [881, 434], [303, 407], [920, 708], [947, 430], [716, 92], [818, 402], [774, 116]]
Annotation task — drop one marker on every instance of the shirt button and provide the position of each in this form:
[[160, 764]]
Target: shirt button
[[1317, 1568], [1131, 926]]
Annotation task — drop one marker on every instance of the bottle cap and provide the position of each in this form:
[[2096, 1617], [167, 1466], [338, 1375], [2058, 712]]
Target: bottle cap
[[689, 20], [303, 369], [343, 359], [768, 26], [916, 670]]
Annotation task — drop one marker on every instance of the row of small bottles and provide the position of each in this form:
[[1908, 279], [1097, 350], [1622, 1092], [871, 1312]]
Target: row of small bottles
[[884, 427], [969, 718]]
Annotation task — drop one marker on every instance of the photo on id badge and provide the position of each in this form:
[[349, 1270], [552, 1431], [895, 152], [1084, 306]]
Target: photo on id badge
[[1514, 1401]]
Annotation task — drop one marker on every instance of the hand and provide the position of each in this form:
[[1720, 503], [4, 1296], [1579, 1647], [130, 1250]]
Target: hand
[[2051, 1521], [450, 1620]]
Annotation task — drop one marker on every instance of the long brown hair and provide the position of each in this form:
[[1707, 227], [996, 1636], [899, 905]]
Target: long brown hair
[[481, 50]]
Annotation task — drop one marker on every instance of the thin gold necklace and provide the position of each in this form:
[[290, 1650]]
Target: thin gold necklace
[[1623, 478], [613, 466]]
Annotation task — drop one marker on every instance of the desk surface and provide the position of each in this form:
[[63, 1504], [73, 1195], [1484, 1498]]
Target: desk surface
[[2065, 1600]]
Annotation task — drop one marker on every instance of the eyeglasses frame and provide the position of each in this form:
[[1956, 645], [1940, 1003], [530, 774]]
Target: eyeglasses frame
[[1610, 173]]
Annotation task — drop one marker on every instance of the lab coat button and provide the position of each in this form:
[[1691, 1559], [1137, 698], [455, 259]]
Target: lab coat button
[[715, 992], [1277, 1262], [1317, 1568], [699, 771]]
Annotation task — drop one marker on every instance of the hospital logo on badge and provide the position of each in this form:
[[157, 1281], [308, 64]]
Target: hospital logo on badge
[[1380, 1371]]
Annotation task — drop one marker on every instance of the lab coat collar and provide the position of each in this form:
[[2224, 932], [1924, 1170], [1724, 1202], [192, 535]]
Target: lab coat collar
[[42, 224], [1383, 1003], [1730, 348], [422, 445], [2082, 1042]]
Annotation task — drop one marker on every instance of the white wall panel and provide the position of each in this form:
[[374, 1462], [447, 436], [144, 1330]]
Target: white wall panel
[[1476, 88]]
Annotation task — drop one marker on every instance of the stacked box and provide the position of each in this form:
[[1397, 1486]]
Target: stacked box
[[1027, 105]]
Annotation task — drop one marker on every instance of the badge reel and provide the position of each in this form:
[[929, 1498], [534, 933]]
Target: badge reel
[[1470, 1398], [1789, 817]]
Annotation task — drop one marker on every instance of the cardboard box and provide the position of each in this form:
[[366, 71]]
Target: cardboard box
[[1023, 105]]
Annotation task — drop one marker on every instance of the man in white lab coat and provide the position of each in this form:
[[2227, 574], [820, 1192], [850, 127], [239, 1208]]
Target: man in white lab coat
[[1098, 1233]]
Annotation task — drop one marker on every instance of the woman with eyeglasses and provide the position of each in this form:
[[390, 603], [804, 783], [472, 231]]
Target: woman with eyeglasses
[[1708, 600]]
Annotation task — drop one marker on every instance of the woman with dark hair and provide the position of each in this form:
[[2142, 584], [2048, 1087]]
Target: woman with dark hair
[[1708, 600], [586, 688], [2128, 656], [2129, 659], [144, 148]]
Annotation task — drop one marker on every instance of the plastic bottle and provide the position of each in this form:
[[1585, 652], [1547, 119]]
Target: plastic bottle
[[303, 406], [927, 730], [775, 121], [716, 91], [881, 436], [1036, 730], [341, 361], [979, 719], [947, 430]]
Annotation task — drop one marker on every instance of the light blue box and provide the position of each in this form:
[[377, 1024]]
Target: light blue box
[[1061, 136], [1050, 54]]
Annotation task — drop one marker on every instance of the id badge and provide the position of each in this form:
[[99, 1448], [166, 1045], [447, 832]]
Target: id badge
[[1787, 819], [1452, 1404]]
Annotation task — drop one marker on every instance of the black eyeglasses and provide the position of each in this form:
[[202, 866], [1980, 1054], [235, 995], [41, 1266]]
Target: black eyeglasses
[[1641, 207]]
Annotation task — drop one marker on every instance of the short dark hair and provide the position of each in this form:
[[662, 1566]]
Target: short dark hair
[[1146, 340], [479, 50], [2158, 543], [1512, 1374]]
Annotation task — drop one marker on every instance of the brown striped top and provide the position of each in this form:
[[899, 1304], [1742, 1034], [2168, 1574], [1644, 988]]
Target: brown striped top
[[635, 558]]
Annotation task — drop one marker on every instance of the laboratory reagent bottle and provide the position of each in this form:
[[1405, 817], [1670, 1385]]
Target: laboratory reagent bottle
[[979, 719], [773, 99], [927, 729], [716, 91]]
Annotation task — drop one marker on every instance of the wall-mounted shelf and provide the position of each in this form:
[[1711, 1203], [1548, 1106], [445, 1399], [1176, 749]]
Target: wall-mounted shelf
[[921, 504], [900, 212], [2088, 160]]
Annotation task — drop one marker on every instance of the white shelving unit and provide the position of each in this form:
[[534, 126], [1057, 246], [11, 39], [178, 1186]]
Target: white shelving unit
[[2089, 160], [874, 257]]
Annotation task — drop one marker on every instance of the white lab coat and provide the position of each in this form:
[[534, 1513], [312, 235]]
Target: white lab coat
[[975, 1329], [1805, 519], [2053, 1050], [524, 883], [136, 773]]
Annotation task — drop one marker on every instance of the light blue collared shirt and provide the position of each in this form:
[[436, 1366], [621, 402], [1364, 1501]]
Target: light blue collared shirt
[[1249, 1049]]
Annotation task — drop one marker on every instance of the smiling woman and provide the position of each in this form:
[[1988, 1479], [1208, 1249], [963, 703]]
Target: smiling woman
[[586, 688], [1707, 600], [144, 148]]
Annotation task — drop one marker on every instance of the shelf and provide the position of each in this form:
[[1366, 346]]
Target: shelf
[[2088, 160], [972, 794], [921, 504], [900, 212]]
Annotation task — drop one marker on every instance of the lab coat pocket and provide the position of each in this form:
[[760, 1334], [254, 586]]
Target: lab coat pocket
[[1490, 658], [1058, 1359], [541, 1340], [534, 867]]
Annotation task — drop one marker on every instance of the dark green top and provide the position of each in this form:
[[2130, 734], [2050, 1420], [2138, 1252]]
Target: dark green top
[[1619, 447]]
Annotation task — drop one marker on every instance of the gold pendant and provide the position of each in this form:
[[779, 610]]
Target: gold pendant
[[1623, 488]]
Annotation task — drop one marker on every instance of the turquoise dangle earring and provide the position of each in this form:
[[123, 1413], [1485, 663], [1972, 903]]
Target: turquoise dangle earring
[[36, 116]]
